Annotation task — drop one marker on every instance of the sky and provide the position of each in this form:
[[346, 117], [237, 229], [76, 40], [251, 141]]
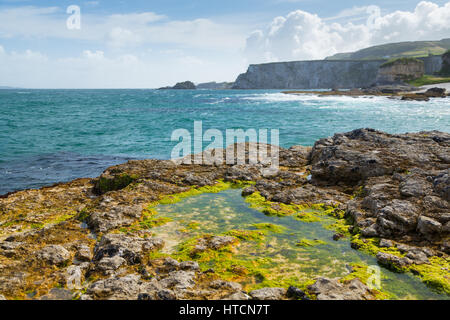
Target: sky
[[154, 43]]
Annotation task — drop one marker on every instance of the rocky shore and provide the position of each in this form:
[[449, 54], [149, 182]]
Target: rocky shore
[[388, 193], [400, 92]]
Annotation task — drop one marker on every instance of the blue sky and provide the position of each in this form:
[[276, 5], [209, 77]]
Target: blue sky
[[143, 44]]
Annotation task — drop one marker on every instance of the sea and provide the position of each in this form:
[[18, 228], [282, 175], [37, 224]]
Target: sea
[[50, 136]]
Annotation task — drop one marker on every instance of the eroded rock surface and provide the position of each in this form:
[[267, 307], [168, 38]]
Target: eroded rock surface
[[88, 231]]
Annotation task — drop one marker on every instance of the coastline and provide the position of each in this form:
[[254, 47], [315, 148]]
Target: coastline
[[102, 228]]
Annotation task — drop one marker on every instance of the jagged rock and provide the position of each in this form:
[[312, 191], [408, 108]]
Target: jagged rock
[[428, 227], [186, 85], [9, 249], [83, 253], [110, 263], [226, 285], [237, 296], [296, 293], [357, 155], [446, 247], [189, 266], [268, 294], [435, 92], [244, 172], [166, 294], [112, 217], [332, 289], [132, 249], [446, 228], [120, 288], [58, 294], [171, 264], [54, 254], [370, 231], [418, 257], [295, 156], [413, 187], [384, 243], [399, 216], [179, 280], [441, 185], [390, 260], [215, 243]]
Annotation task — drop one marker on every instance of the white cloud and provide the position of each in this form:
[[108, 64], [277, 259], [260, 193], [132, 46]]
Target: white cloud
[[120, 30], [302, 35], [119, 37], [97, 69]]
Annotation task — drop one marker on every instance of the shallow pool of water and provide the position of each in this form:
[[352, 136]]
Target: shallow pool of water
[[227, 210]]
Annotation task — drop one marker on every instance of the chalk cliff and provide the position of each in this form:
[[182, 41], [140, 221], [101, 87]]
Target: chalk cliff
[[309, 75], [320, 74], [403, 69]]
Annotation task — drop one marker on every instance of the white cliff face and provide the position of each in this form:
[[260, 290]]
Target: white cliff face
[[319, 74], [309, 75]]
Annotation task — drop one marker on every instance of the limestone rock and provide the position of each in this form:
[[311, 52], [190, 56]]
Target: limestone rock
[[428, 227], [332, 289], [120, 288], [390, 260], [54, 254], [268, 294], [132, 249], [179, 280]]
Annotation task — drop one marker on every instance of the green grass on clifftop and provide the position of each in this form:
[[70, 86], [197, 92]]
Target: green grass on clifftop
[[427, 80]]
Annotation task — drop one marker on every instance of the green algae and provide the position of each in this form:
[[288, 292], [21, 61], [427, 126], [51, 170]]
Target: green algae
[[269, 227], [435, 275], [310, 243], [304, 213], [372, 246], [247, 235], [367, 276], [118, 182], [273, 260], [195, 191]]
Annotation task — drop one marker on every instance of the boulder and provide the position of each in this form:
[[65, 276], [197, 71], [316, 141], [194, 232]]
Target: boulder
[[110, 263], [54, 254], [121, 288], [268, 294], [110, 217], [179, 280], [430, 228], [333, 289], [392, 261], [132, 249]]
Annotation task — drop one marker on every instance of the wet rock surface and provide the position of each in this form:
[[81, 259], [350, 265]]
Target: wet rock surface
[[333, 289], [394, 187]]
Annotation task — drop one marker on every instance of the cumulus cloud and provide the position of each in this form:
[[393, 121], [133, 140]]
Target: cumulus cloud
[[303, 35]]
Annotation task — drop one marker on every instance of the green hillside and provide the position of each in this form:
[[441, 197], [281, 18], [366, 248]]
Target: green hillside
[[413, 49]]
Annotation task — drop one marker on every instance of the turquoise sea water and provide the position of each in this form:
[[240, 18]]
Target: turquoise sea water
[[49, 136]]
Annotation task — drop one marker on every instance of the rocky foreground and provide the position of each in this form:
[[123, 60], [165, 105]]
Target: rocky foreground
[[67, 241]]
